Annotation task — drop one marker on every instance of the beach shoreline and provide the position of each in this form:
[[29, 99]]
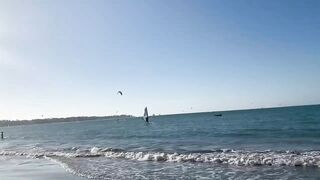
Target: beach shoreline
[[12, 168]]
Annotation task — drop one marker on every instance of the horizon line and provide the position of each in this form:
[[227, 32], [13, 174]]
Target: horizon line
[[101, 116], [244, 109]]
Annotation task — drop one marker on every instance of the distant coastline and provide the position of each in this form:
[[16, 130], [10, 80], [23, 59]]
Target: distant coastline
[[6, 123]]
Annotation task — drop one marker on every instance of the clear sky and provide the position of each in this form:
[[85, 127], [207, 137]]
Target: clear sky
[[69, 58]]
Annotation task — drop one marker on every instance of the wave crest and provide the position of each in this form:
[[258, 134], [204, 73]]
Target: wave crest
[[231, 157]]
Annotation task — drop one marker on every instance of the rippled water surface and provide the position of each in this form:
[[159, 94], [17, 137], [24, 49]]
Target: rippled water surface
[[278, 143]]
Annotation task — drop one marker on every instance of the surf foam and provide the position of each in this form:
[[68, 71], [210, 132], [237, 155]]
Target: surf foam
[[239, 158]]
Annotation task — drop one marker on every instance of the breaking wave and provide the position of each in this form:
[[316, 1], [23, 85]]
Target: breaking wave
[[230, 157]]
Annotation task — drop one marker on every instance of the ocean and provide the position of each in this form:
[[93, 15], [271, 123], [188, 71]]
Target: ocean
[[274, 143]]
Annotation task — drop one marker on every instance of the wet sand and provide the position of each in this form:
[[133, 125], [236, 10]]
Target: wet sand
[[13, 168]]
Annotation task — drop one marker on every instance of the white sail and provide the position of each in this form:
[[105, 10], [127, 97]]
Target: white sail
[[145, 115], [145, 112]]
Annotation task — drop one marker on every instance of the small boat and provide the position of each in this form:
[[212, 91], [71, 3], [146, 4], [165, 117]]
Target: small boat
[[218, 115], [145, 115]]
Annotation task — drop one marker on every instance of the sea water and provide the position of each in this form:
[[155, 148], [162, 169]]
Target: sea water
[[275, 143]]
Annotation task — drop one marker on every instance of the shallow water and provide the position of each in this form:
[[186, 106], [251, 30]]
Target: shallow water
[[278, 143], [13, 168]]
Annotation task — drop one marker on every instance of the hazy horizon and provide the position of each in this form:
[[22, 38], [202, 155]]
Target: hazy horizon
[[178, 113], [70, 58]]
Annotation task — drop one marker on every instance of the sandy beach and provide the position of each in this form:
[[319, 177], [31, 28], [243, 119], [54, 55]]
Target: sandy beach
[[13, 168]]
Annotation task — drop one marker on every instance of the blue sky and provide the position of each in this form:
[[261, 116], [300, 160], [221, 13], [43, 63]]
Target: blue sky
[[69, 58]]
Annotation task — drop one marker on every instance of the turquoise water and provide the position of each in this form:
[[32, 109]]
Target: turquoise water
[[277, 143]]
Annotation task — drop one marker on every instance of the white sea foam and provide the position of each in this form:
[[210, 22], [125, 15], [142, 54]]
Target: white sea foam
[[232, 158], [68, 169], [239, 158]]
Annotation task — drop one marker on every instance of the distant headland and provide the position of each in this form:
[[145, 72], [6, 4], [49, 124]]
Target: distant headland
[[5, 123]]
